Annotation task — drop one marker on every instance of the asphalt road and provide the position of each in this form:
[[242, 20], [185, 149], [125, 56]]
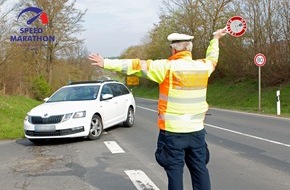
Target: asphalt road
[[248, 152]]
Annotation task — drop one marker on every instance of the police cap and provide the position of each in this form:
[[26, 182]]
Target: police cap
[[176, 37]]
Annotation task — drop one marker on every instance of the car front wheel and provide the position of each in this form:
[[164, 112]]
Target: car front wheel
[[96, 129], [130, 118]]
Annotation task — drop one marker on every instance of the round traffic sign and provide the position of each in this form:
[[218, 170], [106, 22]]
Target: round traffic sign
[[236, 26], [260, 59]]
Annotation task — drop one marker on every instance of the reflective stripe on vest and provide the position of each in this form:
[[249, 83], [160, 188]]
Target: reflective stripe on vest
[[139, 65], [182, 100], [186, 117], [181, 123], [189, 80]]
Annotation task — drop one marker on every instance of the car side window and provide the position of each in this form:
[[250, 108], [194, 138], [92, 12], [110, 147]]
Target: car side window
[[124, 89], [117, 91], [106, 90]]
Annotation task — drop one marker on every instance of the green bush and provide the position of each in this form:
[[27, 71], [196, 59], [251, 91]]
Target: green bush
[[40, 88]]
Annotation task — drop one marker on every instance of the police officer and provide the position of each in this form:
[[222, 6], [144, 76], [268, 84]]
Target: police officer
[[181, 105]]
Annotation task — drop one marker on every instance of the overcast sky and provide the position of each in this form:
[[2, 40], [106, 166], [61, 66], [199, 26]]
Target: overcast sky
[[114, 25]]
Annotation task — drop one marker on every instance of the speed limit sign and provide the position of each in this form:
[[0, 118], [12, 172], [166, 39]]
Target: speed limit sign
[[260, 59]]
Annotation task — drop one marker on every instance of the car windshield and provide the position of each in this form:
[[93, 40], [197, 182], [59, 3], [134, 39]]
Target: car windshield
[[75, 93]]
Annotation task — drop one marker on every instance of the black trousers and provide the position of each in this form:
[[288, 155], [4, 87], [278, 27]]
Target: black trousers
[[175, 149]]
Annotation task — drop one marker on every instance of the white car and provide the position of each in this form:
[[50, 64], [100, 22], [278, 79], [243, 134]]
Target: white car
[[82, 109]]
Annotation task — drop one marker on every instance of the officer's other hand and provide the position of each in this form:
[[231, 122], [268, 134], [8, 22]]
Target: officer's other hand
[[219, 33]]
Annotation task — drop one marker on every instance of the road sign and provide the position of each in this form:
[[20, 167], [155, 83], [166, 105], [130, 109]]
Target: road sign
[[132, 80], [236, 26], [260, 59]]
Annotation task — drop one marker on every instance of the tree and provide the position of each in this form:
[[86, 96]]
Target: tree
[[269, 23], [64, 24], [23, 62], [5, 30], [197, 18], [157, 45], [267, 32]]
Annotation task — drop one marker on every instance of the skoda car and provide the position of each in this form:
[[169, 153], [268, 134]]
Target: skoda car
[[82, 109]]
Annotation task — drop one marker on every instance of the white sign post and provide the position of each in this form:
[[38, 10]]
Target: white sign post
[[260, 60]]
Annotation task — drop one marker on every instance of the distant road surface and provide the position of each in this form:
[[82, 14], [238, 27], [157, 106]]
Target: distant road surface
[[248, 152]]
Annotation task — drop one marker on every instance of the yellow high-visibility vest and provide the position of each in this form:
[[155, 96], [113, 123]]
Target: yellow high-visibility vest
[[182, 86]]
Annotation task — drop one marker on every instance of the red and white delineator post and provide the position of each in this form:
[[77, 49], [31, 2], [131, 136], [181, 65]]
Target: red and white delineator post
[[278, 102]]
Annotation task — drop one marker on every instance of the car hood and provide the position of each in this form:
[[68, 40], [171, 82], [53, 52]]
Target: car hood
[[58, 108]]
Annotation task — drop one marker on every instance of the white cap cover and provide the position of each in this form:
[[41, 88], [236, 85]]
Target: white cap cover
[[175, 37]]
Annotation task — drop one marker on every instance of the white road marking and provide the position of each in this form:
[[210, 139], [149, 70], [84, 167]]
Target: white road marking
[[247, 135], [147, 109], [141, 180], [138, 177], [114, 147], [236, 132]]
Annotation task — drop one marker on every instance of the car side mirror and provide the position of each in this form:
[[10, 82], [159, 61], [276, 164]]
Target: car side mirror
[[45, 99], [107, 96]]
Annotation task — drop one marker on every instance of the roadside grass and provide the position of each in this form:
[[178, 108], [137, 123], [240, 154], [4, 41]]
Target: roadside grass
[[242, 96], [13, 110], [151, 93]]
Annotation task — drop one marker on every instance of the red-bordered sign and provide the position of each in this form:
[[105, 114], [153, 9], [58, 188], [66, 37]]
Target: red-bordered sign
[[260, 59], [236, 26]]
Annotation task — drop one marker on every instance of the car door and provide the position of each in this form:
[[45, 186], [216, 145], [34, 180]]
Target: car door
[[126, 96], [120, 100], [109, 106]]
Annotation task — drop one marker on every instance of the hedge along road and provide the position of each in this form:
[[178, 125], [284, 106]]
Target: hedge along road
[[247, 152]]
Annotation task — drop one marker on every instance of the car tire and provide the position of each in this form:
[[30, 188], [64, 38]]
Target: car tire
[[96, 128], [130, 118]]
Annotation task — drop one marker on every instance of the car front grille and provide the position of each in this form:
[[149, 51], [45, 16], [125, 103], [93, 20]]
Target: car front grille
[[50, 120], [53, 133]]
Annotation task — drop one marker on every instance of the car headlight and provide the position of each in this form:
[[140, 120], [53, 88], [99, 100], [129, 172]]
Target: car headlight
[[79, 114], [27, 118], [66, 117]]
